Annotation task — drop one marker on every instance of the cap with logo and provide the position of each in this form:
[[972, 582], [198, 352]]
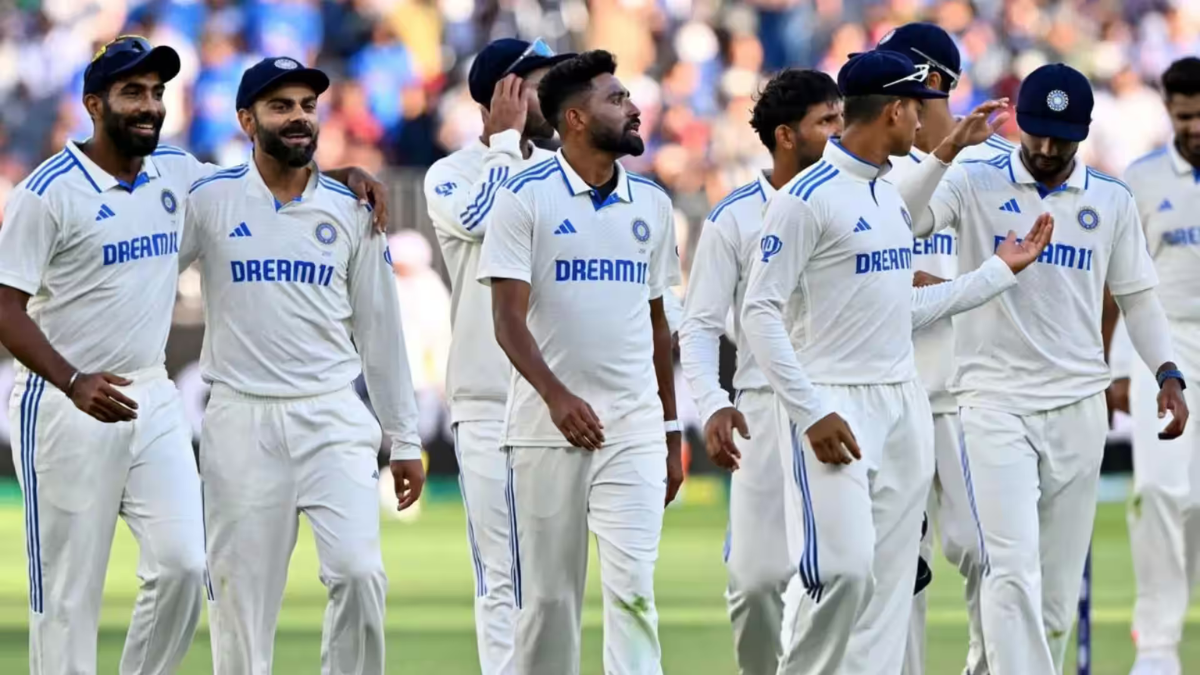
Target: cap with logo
[[274, 72], [126, 55], [504, 57], [1055, 101], [885, 73], [926, 43]]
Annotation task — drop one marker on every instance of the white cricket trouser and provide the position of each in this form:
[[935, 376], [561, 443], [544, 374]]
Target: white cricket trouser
[[556, 495], [860, 533], [1164, 513], [78, 475], [1034, 479], [263, 462], [950, 512], [482, 477], [756, 549]]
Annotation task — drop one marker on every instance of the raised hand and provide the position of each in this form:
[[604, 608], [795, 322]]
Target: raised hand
[[832, 441], [978, 126], [508, 109], [1020, 253]]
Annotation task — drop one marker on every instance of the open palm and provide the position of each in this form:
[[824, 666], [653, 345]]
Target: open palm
[[979, 125], [1020, 253]]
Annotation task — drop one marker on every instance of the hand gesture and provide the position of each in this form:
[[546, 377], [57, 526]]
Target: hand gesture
[[508, 108], [674, 465], [95, 395], [1117, 397], [832, 441], [409, 478], [1170, 397], [718, 437], [576, 420], [975, 127], [1019, 254], [921, 278], [370, 191]]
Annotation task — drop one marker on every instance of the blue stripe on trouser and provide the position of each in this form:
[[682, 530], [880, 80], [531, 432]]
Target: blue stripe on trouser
[[728, 541], [514, 545], [810, 570], [985, 564], [208, 587], [34, 386], [476, 559]]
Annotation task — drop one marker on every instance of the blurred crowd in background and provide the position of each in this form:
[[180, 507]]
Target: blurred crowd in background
[[694, 67]]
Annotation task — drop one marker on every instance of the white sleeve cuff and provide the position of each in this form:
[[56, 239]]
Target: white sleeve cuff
[[1146, 323], [402, 451]]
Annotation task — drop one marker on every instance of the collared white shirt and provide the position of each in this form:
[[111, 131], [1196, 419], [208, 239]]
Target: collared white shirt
[[459, 189], [299, 298], [1039, 347], [937, 254], [728, 243], [593, 266], [1167, 190], [98, 256]]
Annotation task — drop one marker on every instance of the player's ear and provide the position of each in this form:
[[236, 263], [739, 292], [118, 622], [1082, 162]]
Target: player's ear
[[575, 119], [934, 81], [247, 122], [785, 137], [94, 105]]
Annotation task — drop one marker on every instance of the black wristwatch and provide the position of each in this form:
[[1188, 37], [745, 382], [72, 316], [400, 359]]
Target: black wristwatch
[[1172, 374]]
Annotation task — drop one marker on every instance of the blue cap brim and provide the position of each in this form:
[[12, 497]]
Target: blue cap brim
[[311, 77], [162, 60], [1048, 128]]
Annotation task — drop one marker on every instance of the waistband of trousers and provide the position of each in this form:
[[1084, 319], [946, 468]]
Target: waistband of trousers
[[140, 376], [223, 392]]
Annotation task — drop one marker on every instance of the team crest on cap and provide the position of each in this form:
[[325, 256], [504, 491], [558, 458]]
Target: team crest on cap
[[326, 234], [1057, 100], [286, 64], [641, 231], [168, 201], [1088, 218]]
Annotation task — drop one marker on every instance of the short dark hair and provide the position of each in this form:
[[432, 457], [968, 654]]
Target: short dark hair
[[861, 109], [1183, 77], [786, 99], [570, 78]]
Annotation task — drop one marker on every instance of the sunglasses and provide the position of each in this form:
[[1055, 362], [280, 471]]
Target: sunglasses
[[536, 48], [950, 73], [135, 44], [921, 74]]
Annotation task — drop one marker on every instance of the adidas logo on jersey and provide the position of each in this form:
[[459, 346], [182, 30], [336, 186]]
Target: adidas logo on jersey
[[240, 231], [1010, 206], [565, 228], [1165, 206], [105, 212], [862, 226]]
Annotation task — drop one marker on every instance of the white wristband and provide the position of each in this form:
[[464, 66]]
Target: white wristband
[[672, 426]]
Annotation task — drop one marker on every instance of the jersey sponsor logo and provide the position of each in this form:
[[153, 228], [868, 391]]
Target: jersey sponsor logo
[[641, 231], [770, 246], [936, 244], [883, 260], [601, 269], [326, 234], [1088, 218], [1184, 236], [169, 203], [140, 248], [104, 213], [445, 189], [274, 270], [1060, 255]]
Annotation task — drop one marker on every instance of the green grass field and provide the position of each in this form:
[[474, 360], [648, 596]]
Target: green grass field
[[430, 605]]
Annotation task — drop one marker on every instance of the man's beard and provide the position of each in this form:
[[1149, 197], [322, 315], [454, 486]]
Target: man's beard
[[120, 130], [1045, 167], [623, 142], [294, 156]]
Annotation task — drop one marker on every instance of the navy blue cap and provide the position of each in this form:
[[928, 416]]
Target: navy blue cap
[[504, 57], [274, 71], [126, 55], [1055, 101], [887, 74], [925, 43]]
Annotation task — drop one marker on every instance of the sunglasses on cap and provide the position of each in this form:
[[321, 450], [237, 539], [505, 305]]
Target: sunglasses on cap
[[921, 74], [536, 48], [934, 62], [135, 44]]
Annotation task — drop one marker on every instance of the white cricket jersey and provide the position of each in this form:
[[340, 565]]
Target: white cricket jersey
[[937, 254], [98, 256], [1167, 191], [593, 266], [1039, 347], [728, 243], [299, 298], [459, 189]]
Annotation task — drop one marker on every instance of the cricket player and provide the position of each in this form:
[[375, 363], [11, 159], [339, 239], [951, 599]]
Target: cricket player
[[459, 189], [936, 257], [1030, 371], [299, 300], [836, 249], [1164, 514], [579, 254]]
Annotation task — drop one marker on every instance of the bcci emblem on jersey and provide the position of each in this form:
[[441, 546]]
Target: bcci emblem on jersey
[[1088, 218], [326, 234], [168, 201], [770, 245], [907, 218], [641, 231]]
